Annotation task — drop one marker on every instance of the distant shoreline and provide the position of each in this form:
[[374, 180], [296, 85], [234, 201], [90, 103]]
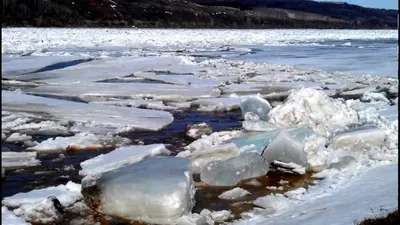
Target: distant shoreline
[[181, 14]]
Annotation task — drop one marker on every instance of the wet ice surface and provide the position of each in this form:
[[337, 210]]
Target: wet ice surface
[[121, 89]]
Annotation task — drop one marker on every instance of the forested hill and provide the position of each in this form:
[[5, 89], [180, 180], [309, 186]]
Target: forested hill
[[194, 14]]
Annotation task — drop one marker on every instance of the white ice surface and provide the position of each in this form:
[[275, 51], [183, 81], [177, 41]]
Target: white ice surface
[[98, 91], [217, 104], [359, 139], [234, 194], [309, 106], [27, 64], [213, 139], [80, 141], [9, 218], [18, 159], [36, 39], [99, 69], [359, 198], [118, 118], [120, 157], [66, 194]]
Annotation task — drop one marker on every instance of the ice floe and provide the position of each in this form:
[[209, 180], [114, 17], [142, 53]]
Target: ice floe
[[363, 138], [283, 147], [308, 106], [80, 141], [234, 194], [196, 131], [120, 157], [118, 118], [40, 206], [233, 170], [18, 159], [7, 217], [201, 158], [154, 190], [99, 91]]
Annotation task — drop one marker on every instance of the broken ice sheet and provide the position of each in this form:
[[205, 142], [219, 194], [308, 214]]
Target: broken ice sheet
[[18, 159], [7, 217], [67, 195], [257, 141], [80, 141], [359, 138], [234, 194], [285, 148], [99, 69], [27, 64], [120, 157], [48, 128], [155, 190], [118, 118], [217, 104], [200, 158], [312, 107], [98, 91], [35, 206], [178, 79], [231, 171]]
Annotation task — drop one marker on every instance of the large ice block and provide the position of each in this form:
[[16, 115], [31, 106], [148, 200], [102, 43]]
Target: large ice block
[[200, 158], [309, 106], [157, 190], [256, 105], [120, 157], [359, 138], [285, 148], [256, 142], [233, 170]]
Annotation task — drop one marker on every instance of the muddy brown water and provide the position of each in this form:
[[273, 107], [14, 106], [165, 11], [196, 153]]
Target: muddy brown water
[[55, 170]]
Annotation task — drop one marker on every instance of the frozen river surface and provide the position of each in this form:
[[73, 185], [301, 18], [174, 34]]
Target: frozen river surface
[[75, 98]]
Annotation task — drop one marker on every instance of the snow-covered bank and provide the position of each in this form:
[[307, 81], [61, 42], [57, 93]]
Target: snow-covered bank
[[363, 196]]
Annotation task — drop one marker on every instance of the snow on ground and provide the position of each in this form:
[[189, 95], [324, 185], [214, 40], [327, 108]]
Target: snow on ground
[[120, 119], [361, 197], [120, 157], [18, 159]]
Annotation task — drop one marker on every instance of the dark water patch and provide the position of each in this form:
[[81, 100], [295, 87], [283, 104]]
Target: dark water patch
[[173, 135], [60, 65], [53, 170], [207, 196]]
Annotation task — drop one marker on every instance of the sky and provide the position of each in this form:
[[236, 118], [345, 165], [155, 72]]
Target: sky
[[385, 4]]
